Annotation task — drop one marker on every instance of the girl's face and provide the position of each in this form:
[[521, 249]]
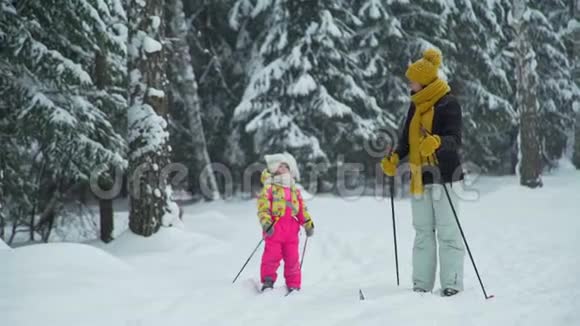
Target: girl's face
[[415, 87], [283, 169]]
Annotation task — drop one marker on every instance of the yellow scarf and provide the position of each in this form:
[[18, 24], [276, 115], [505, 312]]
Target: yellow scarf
[[420, 125]]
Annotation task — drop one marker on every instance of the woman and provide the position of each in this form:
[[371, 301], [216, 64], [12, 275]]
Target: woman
[[431, 139]]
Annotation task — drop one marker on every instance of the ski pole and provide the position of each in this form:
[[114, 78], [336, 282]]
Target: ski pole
[[303, 252], [466, 245], [394, 227], [252, 254]]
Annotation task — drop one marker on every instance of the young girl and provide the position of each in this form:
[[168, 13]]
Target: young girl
[[281, 211]]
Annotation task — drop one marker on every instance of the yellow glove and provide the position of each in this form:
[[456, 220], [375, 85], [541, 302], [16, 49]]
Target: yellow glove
[[389, 164], [265, 176], [429, 145]]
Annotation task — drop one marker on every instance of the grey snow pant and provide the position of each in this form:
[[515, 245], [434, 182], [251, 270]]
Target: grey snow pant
[[433, 217]]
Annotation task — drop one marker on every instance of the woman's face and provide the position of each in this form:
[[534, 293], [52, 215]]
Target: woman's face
[[415, 87], [283, 169]]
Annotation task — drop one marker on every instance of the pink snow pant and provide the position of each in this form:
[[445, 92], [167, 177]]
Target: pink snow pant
[[283, 244]]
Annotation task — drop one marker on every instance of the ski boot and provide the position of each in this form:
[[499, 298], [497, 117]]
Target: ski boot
[[449, 292], [268, 284]]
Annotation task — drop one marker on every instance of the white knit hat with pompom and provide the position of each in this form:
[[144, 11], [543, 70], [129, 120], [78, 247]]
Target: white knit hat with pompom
[[274, 160]]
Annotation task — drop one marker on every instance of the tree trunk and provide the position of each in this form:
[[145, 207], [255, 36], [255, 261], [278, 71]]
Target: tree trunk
[[107, 226], [530, 159], [31, 232], [575, 12], [2, 225], [35, 203], [105, 205], [148, 137], [13, 234], [106, 212], [46, 235], [576, 157], [2, 203], [182, 76]]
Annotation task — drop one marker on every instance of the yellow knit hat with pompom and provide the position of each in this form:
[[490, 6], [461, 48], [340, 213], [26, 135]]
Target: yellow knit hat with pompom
[[424, 70]]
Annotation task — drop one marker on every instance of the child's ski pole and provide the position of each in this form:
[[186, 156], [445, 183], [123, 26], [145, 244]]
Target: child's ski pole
[[303, 252], [252, 254]]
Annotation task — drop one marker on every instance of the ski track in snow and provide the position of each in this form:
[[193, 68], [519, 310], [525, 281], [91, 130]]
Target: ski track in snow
[[524, 243]]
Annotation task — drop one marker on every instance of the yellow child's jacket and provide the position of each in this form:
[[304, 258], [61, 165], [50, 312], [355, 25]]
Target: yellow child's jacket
[[272, 205]]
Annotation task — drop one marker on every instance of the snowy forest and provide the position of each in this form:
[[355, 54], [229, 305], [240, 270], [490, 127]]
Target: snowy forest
[[94, 91], [135, 138], [96, 88]]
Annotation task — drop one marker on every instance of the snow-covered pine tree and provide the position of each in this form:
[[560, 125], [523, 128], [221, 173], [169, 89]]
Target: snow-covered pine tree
[[304, 92], [109, 75], [478, 63], [150, 202], [458, 28], [572, 35], [576, 155], [378, 41], [185, 103], [556, 88], [55, 124], [479, 78], [470, 36], [218, 59], [397, 32], [572, 38], [529, 165], [564, 15]]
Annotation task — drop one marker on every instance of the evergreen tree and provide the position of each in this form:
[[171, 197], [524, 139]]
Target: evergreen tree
[[572, 34], [185, 103], [377, 43], [218, 58], [479, 78], [557, 90], [564, 15], [55, 123], [304, 92], [396, 33], [150, 202], [576, 155], [529, 158]]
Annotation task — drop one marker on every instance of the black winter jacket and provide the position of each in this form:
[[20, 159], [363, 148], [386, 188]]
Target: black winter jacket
[[447, 125]]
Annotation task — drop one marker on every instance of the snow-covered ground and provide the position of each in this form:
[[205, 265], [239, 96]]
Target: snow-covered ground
[[3, 245], [525, 243]]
